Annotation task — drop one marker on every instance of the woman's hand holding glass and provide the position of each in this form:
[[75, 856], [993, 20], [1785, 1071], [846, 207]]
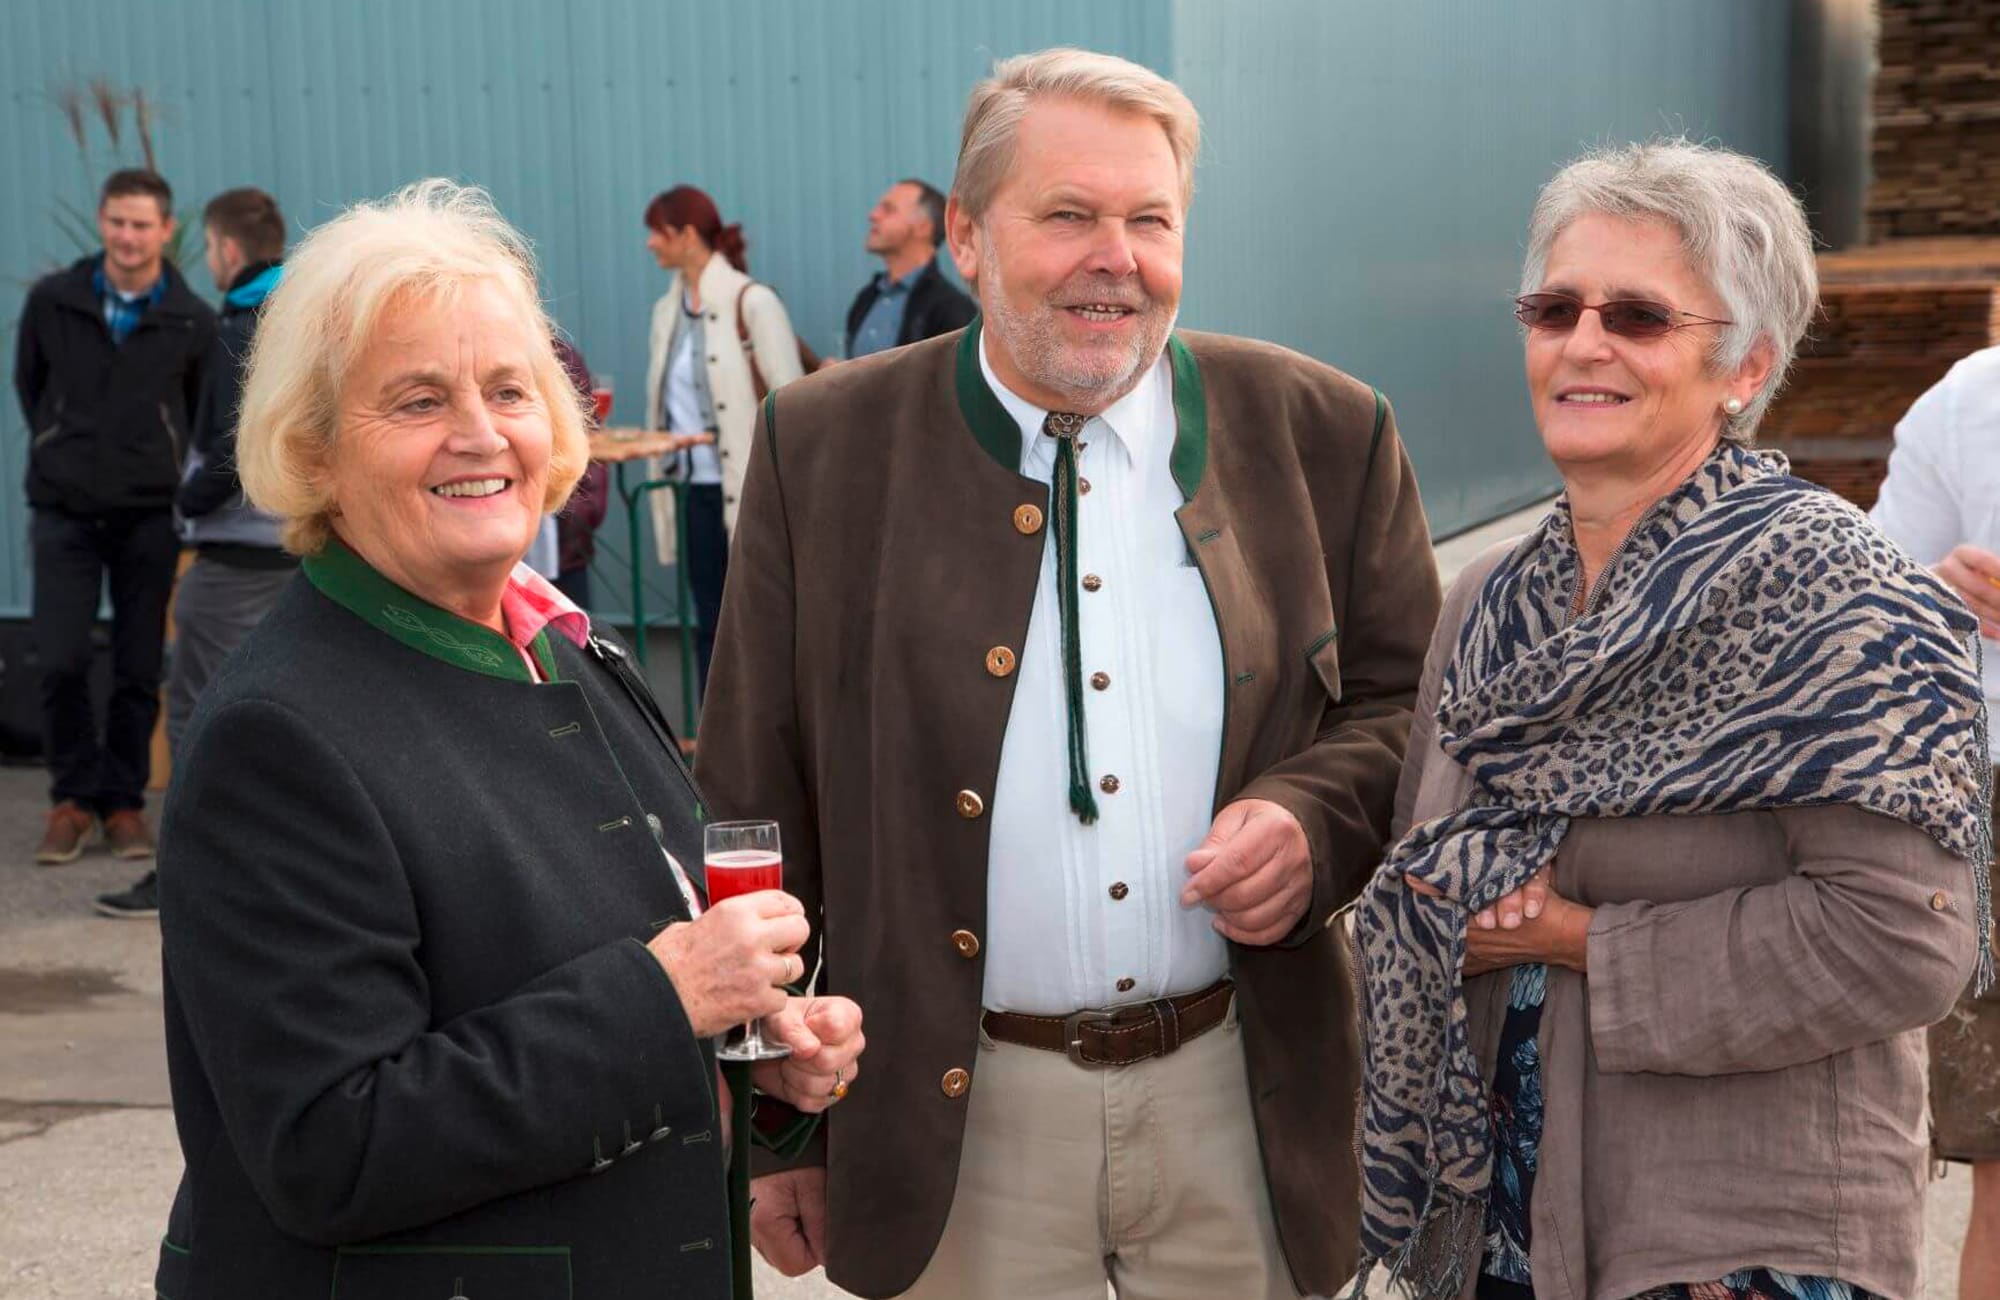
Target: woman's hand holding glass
[[1532, 924], [731, 963]]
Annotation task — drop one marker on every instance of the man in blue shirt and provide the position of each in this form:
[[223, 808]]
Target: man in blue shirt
[[910, 299]]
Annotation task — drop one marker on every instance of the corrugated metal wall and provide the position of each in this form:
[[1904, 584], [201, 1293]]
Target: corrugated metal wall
[[1370, 168], [1368, 171], [794, 114]]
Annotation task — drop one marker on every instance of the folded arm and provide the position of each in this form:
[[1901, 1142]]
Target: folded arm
[[1870, 936]]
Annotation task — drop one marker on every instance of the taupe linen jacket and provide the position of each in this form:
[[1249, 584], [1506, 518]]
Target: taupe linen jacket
[[888, 545], [1739, 1080]]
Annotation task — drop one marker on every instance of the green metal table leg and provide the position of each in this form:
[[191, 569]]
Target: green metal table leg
[[632, 495], [684, 603]]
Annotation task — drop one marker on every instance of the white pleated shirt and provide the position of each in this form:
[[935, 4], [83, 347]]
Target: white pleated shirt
[[1090, 916]]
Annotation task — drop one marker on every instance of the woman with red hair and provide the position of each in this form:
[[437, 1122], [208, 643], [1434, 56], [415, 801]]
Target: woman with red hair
[[720, 341]]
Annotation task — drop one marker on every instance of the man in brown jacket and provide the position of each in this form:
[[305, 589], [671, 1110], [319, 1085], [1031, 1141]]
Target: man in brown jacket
[[1075, 658]]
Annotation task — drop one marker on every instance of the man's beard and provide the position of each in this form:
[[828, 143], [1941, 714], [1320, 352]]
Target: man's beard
[[1087, 378]]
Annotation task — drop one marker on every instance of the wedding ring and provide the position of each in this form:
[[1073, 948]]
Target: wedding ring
[[839, 1086]]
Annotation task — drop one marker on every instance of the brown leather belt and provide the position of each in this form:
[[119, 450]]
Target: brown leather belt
[[1120, 1035]]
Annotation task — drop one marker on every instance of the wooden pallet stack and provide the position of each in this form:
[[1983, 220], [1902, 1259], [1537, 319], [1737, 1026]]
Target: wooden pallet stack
[[1936, 146], [1895, 317], [1925, 291]]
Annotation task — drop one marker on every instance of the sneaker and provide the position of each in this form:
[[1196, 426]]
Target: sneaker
[[128, 835], [137, 903], [67, 832]]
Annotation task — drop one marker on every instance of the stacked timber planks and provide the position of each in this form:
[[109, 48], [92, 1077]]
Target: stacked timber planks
[[1935, 152], [1925, 292], [1894, 318]]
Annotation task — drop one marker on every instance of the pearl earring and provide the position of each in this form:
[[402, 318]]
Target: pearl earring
[[1734, 406]]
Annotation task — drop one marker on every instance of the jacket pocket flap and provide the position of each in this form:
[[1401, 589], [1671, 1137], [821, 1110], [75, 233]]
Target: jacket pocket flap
[[1324, 656], [171, 1278], [452, 1273]]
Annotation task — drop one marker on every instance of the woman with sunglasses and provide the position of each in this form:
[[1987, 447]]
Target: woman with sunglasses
[[1695, 818]]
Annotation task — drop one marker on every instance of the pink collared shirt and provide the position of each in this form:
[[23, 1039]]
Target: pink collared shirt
[[531, 603]]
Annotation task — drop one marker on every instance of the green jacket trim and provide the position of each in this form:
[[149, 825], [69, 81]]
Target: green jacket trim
[[1000, 437], [1189, 460], [352, 583]]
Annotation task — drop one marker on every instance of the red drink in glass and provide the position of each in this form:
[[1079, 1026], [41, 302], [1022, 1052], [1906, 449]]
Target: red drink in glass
[[743, 871], [743, 858], [601, 399]]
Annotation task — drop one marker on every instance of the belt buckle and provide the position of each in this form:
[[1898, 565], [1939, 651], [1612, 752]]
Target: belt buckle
[[1073, 1043]]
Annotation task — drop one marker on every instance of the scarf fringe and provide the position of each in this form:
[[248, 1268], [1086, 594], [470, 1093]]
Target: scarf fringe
[[1982, 870], [1435, 1263]]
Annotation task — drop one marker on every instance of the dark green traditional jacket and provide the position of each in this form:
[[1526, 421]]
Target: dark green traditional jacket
[[887, 547], [415, 1039]]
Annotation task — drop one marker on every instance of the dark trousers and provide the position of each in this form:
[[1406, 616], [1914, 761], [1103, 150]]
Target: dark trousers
[[74, 554], [217, 605], [707, 561]]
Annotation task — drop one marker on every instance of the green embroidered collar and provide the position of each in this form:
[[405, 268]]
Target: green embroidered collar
[[352, 583], [997, 433]]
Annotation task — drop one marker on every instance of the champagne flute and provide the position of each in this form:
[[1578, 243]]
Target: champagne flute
[[602, 389], [742, 858]]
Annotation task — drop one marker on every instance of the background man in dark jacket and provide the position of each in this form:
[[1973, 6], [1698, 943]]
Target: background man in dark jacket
[[909, 299], [108, 367], [239, 568]]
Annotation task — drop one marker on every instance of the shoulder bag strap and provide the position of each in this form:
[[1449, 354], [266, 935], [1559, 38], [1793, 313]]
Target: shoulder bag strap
[[757, 384]]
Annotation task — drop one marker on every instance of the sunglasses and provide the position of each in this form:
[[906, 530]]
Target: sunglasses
[[1628, 318]]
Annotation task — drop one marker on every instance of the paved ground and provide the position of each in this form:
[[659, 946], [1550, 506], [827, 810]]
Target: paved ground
[[88, 1160]]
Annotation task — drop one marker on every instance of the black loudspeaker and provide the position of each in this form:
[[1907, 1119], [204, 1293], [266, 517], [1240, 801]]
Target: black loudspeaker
[[21, 688]]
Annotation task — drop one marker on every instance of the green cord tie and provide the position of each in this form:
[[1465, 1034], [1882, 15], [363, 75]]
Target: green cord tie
[[1064, 426]]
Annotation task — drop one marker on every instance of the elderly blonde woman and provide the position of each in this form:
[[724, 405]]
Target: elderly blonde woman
[[1694, 821], [438, 1016]]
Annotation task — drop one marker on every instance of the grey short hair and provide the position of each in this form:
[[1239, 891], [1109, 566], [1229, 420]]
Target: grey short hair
[[993, 114], [1743, 232]]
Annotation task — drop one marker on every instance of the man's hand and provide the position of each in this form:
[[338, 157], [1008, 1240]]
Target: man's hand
[[1974, 573], [788, 1219], [1255, 870], [826, 1041]]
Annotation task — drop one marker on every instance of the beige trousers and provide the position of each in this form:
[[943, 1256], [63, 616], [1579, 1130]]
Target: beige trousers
[[1145, 1176]]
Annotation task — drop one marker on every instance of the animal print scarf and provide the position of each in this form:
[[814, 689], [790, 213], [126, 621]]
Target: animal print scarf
[[1755, 643]]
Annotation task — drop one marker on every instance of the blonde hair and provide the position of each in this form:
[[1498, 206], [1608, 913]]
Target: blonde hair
[[425, 242], [1741, 229], [993, 114]]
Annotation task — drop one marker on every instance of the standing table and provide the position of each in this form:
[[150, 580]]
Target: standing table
[[620, 453]]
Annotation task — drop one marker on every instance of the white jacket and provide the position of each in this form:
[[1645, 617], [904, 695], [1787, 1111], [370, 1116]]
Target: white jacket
[[728, 376]]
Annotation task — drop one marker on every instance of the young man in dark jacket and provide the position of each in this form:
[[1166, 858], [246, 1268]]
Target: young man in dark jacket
[[909, 300], [239, 566], [108, 368]]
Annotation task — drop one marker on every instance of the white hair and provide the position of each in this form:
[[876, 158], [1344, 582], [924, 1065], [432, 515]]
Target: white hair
[[424, 243], [1742, 230]]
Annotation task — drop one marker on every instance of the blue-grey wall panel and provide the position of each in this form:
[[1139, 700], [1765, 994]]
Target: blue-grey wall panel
[[1369, 168], [794, 114], [1367, 174]]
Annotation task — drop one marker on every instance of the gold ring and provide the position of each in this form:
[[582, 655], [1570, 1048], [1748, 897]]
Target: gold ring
[[839, 1086]]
